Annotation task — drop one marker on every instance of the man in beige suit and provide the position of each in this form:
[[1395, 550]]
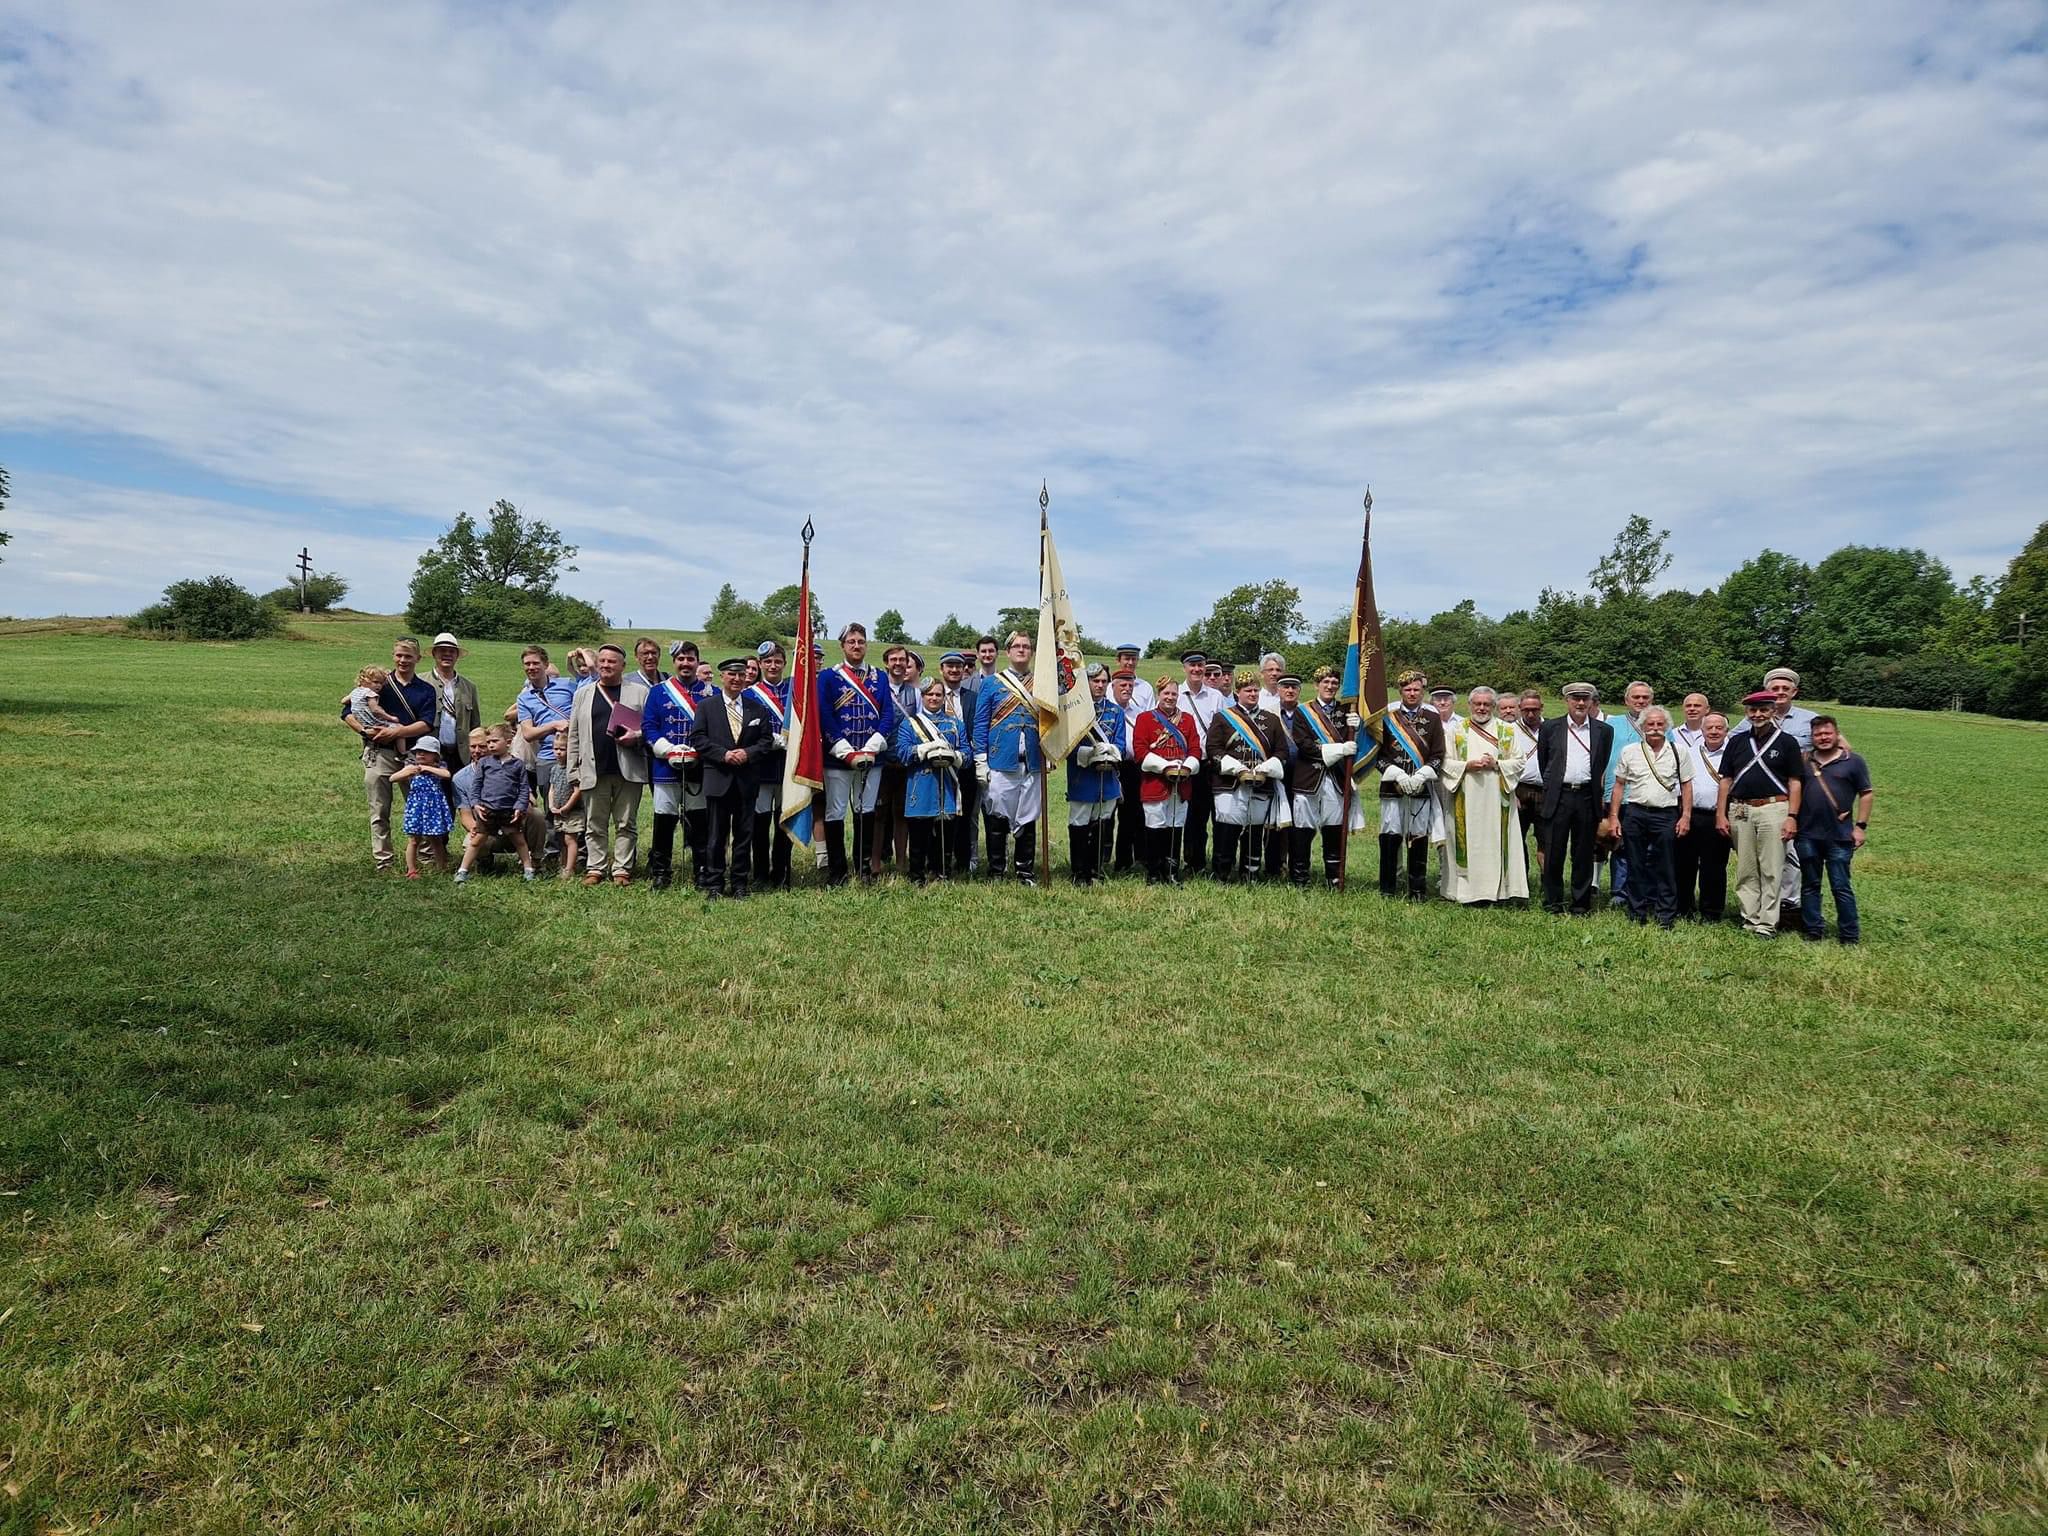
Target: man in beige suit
[[610, 762]]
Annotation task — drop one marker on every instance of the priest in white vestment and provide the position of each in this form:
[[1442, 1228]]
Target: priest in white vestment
[[1483, 843]]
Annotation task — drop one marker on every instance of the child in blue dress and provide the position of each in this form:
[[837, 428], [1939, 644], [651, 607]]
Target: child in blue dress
[[427, 816]]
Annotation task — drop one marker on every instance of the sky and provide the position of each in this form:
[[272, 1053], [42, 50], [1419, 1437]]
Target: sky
[[672, 279]]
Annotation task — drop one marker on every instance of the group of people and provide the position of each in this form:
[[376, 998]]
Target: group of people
[[1240, 774]]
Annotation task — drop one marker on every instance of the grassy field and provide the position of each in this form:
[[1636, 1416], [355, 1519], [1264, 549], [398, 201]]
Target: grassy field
[[335, 1202]]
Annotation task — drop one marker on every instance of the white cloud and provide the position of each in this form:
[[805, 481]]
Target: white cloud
[[1767, 274]]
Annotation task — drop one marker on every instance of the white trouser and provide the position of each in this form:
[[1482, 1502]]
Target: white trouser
[[1324, 808], [1170, 812], [1409, 816], [1240, 805], [1014, 797], [839, 790], [672, 797], [1081, 813]]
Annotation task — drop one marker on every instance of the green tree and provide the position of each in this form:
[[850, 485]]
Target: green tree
[[217, 608], [1870, 602], [1763, 603], [324, 589], [1009, 619], [498, 583], [2023, 591], [954, 635], [1637, 559], [889, 628], [723, 608], [512, 551], [1245, 622], [779, 607]]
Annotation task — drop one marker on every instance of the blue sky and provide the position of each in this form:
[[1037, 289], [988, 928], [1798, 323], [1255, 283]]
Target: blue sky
[[327, 275]]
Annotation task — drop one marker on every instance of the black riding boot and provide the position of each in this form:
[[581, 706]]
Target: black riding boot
[[1333, 855], [1223, 853], [1081, 852], [1418, 868], [835, 853], [661, 855], [1151, 850], [1390, 863], [1299, 840], [995, 844], [1025, 855], [1254, 850]]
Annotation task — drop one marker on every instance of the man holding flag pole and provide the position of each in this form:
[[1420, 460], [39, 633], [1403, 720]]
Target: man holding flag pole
[[803, 761], [1065, 706]]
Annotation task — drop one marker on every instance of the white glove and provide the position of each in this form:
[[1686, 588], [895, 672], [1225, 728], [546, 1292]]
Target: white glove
[[1232, 768], [665, 749], [779, 739], [1353, 721], [1272, 768], [1084, 754], [1104, 756], [925, 751], [843, 750], [1192, 764], [873, 744], [1422, 778], [1335, 752], [1152, 762], [981, 768]]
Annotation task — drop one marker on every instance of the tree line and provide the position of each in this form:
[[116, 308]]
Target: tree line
[[1866, 625]]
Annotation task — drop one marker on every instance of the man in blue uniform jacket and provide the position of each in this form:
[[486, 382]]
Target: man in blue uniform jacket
[[856, 722], [1094, 781], [1008, 763]]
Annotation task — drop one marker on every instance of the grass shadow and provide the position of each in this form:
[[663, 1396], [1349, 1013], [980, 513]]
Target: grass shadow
[[168, 1018]]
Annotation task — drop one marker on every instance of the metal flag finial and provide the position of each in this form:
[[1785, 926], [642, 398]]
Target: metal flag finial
[[809, 533], [1368, 501], [1044, 497]]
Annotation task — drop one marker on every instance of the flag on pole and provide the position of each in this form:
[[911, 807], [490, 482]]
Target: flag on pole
[[1066, 710], [1365, 664], [803, 763]]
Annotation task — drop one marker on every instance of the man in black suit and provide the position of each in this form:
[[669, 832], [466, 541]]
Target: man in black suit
[[1571, 755], [733, 732]]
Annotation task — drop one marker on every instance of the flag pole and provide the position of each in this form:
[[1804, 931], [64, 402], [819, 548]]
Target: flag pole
[[1044, 763], [1359, 594]]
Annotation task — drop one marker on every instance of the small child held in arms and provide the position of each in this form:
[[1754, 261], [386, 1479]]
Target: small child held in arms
[[427, 817], [365, 713], [503, 788]]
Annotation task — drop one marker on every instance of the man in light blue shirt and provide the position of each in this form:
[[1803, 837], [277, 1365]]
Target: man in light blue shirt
[[1635, 698]]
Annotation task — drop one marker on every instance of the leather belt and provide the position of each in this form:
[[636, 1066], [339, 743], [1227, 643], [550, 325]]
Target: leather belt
[[1768, 800]]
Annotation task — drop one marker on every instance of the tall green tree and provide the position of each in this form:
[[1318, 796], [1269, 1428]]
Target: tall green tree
[[1009, 619], [523, 554], [780, 608], [723, 607], [2024, 590], [1870, 602], [497, 582], [954, 634], [1636, 561], [1247, 621], [890, 629], [1763, 603]]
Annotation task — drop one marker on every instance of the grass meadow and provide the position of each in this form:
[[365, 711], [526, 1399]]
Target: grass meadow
[[336, 1202]]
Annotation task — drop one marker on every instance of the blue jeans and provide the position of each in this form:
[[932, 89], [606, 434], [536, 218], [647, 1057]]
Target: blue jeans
[[1836, 856]]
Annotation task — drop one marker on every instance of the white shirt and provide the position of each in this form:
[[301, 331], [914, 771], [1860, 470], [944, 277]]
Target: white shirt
[[1203, 704], [1653, 782], [1578, 751], [1706, 776], [1532, 773], [1269, 700]]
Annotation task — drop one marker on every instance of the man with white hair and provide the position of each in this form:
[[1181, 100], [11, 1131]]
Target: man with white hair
[[1654, 778], [1483, 861], [1635, 698]]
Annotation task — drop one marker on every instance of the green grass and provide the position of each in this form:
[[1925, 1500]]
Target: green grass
[[337, 1202]]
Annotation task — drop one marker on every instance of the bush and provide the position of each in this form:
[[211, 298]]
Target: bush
[[324, 589], [1923, 680], [214, 609]]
